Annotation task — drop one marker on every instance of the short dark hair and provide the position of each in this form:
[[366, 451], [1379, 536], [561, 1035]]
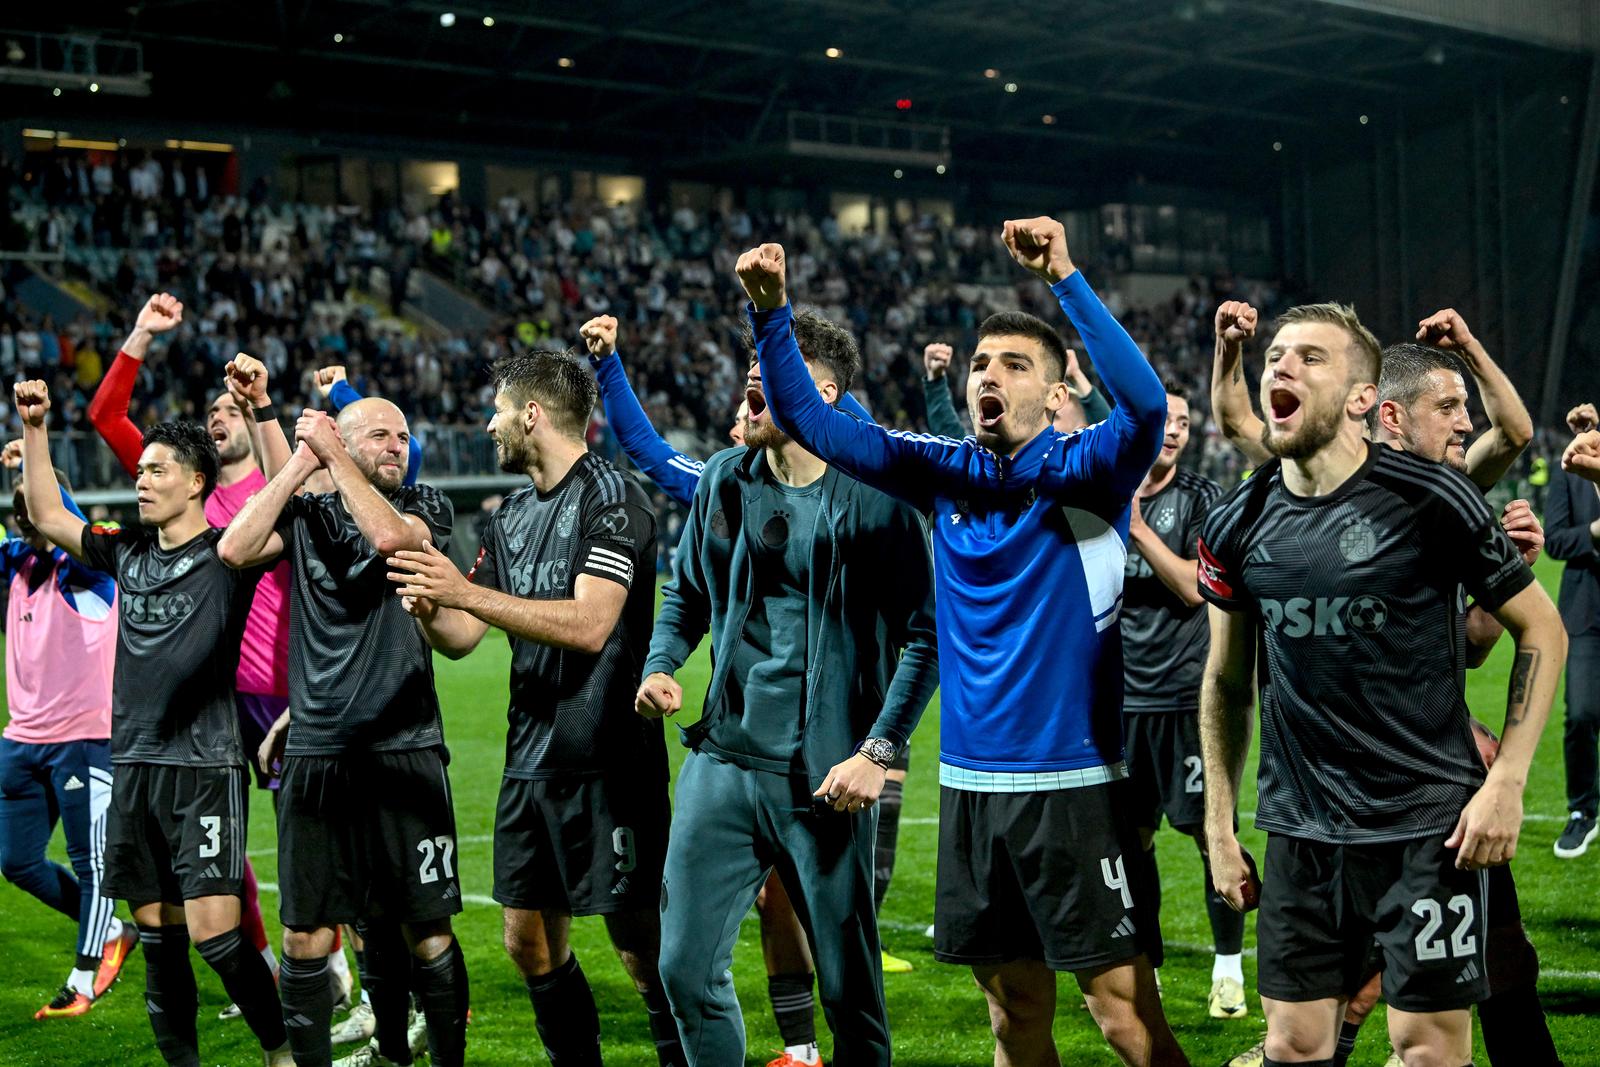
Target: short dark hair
[[1022, 324], [821, 340], [560, 381], [192, 446], [1406, 367], [1366, 356]]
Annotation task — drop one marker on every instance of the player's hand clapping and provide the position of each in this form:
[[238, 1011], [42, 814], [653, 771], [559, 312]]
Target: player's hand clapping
[[32, 400], [853, 785], [327, 377], [936, 360], [762, 272], [317, 431], [600, 335], [430, 575], [659, 695], [1040, 245]]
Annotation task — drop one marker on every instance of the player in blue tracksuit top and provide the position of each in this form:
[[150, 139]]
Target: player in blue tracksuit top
[[1040, 866]]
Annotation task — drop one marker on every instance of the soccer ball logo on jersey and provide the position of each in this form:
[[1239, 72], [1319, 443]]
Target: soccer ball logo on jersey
[[318, 571], [1324, 616], [1367, 614], [1358, 542], [160, 607]]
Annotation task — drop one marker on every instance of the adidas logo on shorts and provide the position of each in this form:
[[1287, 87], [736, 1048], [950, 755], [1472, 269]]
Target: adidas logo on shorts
[[1470, 974], [621, 887], [211, 872], [73, 782], [1125, 928], [451, 891]]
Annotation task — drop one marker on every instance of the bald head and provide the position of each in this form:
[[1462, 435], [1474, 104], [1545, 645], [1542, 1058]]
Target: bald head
[[378, 439]]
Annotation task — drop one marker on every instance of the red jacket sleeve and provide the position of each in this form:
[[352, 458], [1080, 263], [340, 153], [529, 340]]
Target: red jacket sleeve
[[108, 411]]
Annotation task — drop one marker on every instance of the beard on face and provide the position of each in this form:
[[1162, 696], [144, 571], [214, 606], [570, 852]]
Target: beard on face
[[1317, 428], [515, 454], [233, 448], [764, 435], [385, 480]]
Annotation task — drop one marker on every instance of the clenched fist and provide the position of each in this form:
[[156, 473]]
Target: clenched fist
[[1040, 245], [1582, 456], [1583, 418], [32, 399], [659, 695], [600, 335], [936, 360], [160, 313], [1236, 321], [1524, 529], [762, 271], [328, 377], [1445, 329], [247, 378]]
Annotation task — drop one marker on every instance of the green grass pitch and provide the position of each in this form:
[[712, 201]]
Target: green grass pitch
[[937, 1015]]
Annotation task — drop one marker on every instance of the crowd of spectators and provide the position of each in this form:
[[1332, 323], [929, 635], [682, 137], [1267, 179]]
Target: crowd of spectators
[[303, 286]]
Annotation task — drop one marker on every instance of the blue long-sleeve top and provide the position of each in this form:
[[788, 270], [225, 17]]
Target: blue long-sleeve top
[[674, 472], [343, 394], [87, 591], [1030, 550]]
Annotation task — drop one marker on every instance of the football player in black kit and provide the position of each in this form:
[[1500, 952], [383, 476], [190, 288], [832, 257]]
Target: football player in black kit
[[1164, 641], [366, 829], [566, 569], [175, 838], [1345, 559]]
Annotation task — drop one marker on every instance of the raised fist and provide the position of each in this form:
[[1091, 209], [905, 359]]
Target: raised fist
[[1236, 321], [316, 431], [1040, 245], [600, 334], [1445, 329], [327, 376], [32, 399], [761, 271], [936, 360], [11, 455], [247, 378], [1583, 418], [1582, 456], [160, 313]]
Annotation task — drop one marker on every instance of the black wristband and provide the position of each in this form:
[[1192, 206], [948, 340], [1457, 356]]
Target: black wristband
[[267, 413]]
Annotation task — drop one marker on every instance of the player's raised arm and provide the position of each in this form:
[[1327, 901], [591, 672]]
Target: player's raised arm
[[1122, 448], [40, 489], [1230, 395], [252, 538], [108, 410], [674, 472], [1510, 426], [941, 405], [903, 465], [246, 379]]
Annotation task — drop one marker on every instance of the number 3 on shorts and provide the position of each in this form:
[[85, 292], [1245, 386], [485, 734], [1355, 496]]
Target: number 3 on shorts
[[443, 848], [212, 845]]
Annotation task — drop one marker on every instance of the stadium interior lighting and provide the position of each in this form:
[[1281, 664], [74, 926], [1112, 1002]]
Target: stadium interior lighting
[[903, 104], [94, 87], [79, 142], [566, 63], [898, 173], [1011, 87], [338, 38], [1048, 120], [939, 169], [56, 91], [834, 53], [200, 146], [1363, 120], [990, 72], [488, 22], [447, 19], [48, 135], [1277, 146], [14, 52]]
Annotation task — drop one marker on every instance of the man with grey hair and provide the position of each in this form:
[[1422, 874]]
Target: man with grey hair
[[366, 829]]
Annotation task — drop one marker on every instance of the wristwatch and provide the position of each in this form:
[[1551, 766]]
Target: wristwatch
[[879, 750]]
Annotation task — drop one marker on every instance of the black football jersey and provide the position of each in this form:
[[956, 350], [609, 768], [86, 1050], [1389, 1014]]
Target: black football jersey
[[1164, 640], [360, 672], [571, 713], [181, 615], [1364, 723]]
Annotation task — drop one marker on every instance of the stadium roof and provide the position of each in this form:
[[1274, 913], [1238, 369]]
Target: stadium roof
[[1041, 88]]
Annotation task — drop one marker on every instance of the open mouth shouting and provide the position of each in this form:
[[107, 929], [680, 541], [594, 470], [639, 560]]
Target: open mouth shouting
[[757, 401], [991, 410], [1282, 404]]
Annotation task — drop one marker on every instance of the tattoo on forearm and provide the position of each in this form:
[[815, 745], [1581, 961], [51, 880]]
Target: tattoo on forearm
[[1523, 671]]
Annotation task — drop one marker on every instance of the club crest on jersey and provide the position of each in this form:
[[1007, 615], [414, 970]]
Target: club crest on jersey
[[1165, 519], [1358, 542], [180, 568], [567, 518]]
